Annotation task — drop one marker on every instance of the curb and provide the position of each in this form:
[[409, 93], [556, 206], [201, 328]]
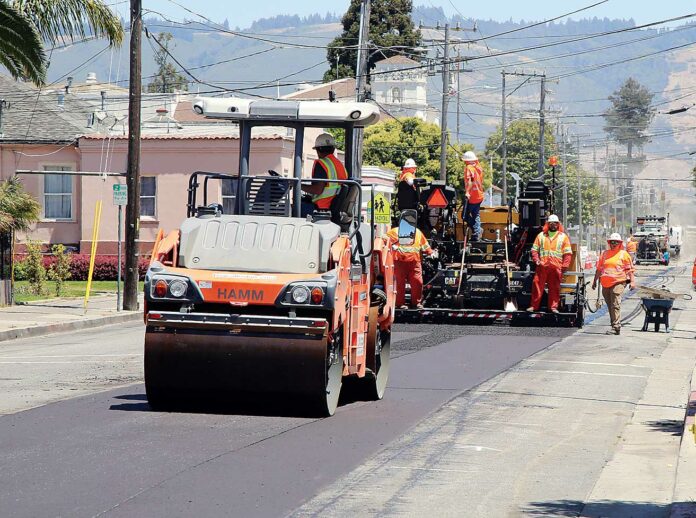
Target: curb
[[687, 447], [29, 332]]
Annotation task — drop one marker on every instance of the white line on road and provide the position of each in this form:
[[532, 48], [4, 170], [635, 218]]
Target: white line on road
[[69, 362], [509, 423], [476, 448], [70, 356], [590, 363], [592, 373]]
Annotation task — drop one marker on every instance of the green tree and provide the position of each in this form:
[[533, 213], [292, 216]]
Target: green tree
[[391, 33], [629, 116], [522, 151], [59, 272], [389, 143], [24, 23], [167, 78], [34, 267]]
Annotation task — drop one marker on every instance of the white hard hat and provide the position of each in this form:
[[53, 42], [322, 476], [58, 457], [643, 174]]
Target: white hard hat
[[325, 140], [410, 162], [470, 156], [615, 237], [553, 219]]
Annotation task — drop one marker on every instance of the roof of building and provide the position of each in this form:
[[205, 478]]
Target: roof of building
[[344, 88], [397, 60], [32, 118]]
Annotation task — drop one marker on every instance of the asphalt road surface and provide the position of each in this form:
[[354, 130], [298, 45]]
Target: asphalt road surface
[[107, 454]]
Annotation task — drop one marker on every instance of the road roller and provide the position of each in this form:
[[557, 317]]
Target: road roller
[[248, 297]]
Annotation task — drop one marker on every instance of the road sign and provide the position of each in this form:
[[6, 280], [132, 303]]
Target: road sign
[[619, 206], [382, 209], [120, 194]]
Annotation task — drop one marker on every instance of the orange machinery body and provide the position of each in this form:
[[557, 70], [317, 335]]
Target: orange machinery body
[[255, 298]]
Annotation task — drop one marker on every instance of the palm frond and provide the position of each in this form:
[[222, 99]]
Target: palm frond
[[18, 208], [56, 19], [21, 49]]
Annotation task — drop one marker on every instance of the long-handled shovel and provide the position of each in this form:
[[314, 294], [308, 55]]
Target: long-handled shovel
[[510, 304], [466, 240]]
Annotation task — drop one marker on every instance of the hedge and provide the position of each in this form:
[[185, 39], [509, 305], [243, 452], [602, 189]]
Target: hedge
[[105, 267]]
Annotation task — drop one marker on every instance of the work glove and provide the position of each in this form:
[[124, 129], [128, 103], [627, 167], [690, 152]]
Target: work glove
[[594, 285], [409, 181], [435, 254]]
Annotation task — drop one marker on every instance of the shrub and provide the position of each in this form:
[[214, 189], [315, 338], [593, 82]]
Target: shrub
[[105, 267], [59, 271], [35, 270]]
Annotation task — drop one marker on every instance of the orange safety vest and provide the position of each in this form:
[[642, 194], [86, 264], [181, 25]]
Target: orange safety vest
[[406, 173], [409, 253], [473, 182], [551, 251], [334, 171], [614, 267], [631, 246]]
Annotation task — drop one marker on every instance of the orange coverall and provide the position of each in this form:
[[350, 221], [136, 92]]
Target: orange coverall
[[407, 266], [554, 256]]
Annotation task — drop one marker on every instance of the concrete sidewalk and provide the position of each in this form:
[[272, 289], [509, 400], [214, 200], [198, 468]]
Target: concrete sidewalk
[[591, 426], [60, 315]]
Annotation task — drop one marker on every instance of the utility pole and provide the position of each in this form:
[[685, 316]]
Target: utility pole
[[577, 171], [565, 175], [363, 38], [542, 126], [445, 99], [459, 102], [504, 130], [130, 286]]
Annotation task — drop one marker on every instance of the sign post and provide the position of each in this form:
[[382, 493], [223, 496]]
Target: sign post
[[120, 199], [382, 209]]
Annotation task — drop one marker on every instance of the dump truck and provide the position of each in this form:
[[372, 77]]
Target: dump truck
[[250, 298], [489, 280]]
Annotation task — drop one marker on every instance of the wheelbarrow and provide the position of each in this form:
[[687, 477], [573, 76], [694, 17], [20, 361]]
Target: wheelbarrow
[[657, 312]]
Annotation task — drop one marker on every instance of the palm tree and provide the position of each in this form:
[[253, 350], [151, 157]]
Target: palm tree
[[18, 208], [24, 23]]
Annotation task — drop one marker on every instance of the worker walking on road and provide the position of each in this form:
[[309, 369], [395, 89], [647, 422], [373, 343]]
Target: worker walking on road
[[473, 185], [407, 267], [614, 271], [326, 166], [632, 247], [552, 254]]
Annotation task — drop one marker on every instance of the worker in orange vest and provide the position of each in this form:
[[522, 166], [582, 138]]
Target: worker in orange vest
[[614, 271], [406, 192], [552, 254], [473, 185], [632, 248], [407, 267], [326, 166]]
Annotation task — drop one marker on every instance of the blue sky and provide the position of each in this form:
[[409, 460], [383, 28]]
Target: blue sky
[[242, 13]]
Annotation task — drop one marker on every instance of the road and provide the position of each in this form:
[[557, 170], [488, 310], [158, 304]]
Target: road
[[489, 419], [107, 454]]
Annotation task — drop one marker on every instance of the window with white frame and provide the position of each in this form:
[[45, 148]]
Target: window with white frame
[[396, 95], [57, 193], [148, 196]]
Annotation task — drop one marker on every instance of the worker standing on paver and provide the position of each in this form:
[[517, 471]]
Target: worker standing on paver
[[473, 185], [407, 267], [614, 271], [552, 254], [406, 192]]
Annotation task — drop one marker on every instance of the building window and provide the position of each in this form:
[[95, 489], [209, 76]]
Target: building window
[[396, 95], [229, 195], [148, 195], [57, 193]]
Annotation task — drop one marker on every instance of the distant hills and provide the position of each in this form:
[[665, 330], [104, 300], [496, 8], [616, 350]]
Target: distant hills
[[277, 54]]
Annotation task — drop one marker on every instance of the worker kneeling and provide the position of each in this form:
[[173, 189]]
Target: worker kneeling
[[408, 244], [614, 271], [552, 254]]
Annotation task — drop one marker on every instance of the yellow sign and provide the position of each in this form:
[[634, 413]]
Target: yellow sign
[[382, 209]]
